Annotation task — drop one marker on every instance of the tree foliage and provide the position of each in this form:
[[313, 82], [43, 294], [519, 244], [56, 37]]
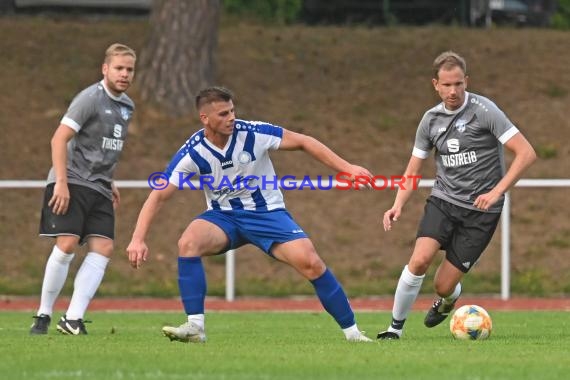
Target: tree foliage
[[561, 18]]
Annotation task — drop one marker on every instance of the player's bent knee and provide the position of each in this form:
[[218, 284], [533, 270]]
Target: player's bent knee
[[187, 247], [102, 246], [67, 244], [66, 248], [312, 268], [418, 267], [184, 245]]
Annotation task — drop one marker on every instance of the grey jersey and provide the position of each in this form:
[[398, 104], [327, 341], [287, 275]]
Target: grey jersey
[[468, 149], [100, 121]]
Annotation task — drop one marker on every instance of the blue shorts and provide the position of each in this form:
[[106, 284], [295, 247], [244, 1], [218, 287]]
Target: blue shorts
[[260, 228]]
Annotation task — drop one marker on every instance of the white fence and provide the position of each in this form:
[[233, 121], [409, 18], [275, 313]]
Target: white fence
[[230, 256]]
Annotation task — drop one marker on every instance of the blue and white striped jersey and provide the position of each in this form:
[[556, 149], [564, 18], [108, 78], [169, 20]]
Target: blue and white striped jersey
[[238, 177]]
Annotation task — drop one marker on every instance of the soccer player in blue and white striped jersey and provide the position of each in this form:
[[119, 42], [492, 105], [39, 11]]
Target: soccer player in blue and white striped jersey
[[243, 207]]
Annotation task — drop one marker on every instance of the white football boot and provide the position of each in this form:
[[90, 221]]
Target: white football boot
[[186, 332]]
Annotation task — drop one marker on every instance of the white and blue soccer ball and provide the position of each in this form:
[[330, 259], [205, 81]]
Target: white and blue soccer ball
[[471, 322]]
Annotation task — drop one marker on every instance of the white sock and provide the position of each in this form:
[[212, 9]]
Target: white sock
[[197, 319], [453, 296], [407, 291], [351, 331], [54, 278], [87, 281]]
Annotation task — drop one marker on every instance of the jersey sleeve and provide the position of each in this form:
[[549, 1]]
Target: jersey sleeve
[[268, 136], [80, 110], [274, 135], [498, 123], [181, 167], [422, 144]]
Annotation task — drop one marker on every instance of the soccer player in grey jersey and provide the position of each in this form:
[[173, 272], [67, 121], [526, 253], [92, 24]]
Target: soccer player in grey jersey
[[467, 132], [80, 196]]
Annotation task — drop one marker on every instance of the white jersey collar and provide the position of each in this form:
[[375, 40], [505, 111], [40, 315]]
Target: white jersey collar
[[120, 97], [214, 147]]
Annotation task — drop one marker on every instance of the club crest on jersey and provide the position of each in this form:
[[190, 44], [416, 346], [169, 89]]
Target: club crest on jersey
[[125, 113], [244, 157], [460, 125]]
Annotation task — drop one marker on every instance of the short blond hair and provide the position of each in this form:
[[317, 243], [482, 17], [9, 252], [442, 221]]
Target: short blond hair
[[448, 60], [118, 49]]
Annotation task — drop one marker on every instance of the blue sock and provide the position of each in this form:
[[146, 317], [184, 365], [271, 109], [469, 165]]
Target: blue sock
[[334, 299], [192, 284]]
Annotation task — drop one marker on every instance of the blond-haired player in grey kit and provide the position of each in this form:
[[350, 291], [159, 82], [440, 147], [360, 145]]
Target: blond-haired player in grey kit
[[80, 196], [467, 132]]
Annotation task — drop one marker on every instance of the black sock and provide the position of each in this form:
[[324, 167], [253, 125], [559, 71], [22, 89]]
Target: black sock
[[397, 325]]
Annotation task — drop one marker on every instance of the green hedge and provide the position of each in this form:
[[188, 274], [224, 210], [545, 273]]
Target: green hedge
[[561, 19], [279, 11]]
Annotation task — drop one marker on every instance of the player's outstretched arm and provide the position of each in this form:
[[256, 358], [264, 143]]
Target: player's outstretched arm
[[137, 249], [320, 152]]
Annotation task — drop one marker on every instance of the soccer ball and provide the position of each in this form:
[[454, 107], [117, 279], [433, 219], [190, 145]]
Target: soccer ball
[[470, 322]]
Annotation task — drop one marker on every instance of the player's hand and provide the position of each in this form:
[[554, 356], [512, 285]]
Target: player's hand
[[390, 216], [59, 201], [137, 252], [485, 201], [361, 177]]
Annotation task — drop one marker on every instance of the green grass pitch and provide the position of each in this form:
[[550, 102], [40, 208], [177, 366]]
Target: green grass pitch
[[276, 345]]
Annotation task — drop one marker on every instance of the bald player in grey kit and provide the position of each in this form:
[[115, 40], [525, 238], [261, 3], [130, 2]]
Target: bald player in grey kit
[[80, 196], [467, 132]]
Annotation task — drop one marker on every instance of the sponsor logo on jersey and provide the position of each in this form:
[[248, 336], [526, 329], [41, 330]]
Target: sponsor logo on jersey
[[217, 194], [117, 131], [116, 143], [441, 129], [459, 159], [453, 145], [112, 144], [227, 164]]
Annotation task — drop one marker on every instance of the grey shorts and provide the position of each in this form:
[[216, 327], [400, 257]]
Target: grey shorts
[[463, 233], [90, 213]]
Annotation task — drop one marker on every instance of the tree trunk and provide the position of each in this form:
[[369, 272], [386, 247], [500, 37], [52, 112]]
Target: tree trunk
[[179, 57]]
